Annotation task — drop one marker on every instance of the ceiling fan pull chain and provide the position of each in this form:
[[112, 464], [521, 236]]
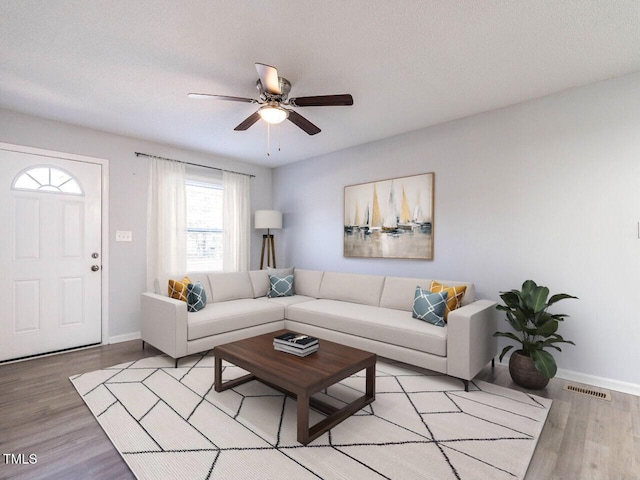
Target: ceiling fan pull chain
[[268, 139], [278, 137]]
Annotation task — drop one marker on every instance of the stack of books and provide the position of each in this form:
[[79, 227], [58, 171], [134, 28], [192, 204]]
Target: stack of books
[[296, 344]]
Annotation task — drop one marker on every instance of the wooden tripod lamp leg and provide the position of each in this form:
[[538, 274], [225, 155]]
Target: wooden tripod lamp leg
[[264, 240], [273, 251]]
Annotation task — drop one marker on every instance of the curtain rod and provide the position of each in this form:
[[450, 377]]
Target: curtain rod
[[140, 154]]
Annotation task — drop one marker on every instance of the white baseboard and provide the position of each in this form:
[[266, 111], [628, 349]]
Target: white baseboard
[[593, 380], [125, 338], [42, 355], [602, 382]]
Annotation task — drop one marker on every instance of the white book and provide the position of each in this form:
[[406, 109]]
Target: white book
[[295, 345], [294, 351]]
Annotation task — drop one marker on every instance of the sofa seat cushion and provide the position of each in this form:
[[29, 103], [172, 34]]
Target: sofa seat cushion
[[376, 323], [286, 301], [231, 315]]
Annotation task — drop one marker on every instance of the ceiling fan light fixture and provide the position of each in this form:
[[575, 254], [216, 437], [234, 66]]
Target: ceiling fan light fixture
[[273, 114]]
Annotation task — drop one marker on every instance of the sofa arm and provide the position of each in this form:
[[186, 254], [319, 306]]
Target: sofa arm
[[163, 323], [470, 341]]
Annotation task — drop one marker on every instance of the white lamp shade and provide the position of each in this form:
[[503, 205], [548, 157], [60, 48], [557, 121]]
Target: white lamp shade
[[268, 219]]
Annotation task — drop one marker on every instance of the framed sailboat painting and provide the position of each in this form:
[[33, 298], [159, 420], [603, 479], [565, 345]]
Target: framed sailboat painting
[[390, 218]]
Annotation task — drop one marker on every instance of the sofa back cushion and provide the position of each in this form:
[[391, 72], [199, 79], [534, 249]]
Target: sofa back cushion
[[161, 283], [398, 292], [259, 282], [469, 294], [307, 282], [348, 287], [230, 286]]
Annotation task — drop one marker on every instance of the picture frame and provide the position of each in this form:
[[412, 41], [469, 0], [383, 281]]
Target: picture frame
[[390, 218]]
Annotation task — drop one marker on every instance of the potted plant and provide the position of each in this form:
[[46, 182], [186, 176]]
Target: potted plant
[[532, 366]]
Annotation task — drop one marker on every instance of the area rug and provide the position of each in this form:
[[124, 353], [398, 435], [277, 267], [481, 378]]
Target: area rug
[[169, 423]]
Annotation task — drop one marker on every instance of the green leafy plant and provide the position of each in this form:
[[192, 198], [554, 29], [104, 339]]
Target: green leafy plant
[[536, 328]]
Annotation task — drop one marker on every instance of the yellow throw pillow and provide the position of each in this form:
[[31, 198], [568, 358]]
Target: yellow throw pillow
[[178, 288], [454, 295]]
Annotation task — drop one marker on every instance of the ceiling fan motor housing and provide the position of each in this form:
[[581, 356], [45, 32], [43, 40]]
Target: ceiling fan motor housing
[[285, 88]]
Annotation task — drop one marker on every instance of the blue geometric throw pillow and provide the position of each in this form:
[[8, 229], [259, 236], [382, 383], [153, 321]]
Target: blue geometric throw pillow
[[429, 306], [196, 297], [280, 286]]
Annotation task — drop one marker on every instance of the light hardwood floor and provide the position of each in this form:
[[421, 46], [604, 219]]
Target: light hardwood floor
[[583, 437], [41, 413]]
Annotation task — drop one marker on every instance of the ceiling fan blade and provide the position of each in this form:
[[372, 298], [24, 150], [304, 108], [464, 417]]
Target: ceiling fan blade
[[322, 101], [222, 97], [269, 78], [250, 120], [303, 123]]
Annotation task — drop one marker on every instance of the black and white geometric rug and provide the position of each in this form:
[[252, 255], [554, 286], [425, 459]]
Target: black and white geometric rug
[[170, 423]]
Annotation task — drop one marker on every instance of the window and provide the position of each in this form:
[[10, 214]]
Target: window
[[44, 178], [204, 224]]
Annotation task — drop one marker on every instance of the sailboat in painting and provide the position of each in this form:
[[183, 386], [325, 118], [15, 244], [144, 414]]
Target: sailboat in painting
[[365, 224], [357, 221], [405, 217], [418, 218], [390, 223], [348, 226], [376, 218], [356, 224]]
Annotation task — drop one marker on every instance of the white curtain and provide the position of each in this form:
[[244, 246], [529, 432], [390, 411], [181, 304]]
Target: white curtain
[[166, 221], [236, 222]]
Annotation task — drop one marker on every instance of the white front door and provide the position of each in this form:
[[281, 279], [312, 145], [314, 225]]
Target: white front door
[[50, 254]]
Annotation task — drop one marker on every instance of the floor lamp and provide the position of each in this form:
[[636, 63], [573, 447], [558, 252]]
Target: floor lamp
[[269, 219]]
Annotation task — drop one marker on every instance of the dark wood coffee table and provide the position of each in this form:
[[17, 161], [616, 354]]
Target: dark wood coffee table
[[300, 377]]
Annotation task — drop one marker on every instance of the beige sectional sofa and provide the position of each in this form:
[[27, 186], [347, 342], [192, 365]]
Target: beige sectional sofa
[[370, 312]]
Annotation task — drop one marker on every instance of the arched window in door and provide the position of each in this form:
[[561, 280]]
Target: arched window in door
[[47, 178]]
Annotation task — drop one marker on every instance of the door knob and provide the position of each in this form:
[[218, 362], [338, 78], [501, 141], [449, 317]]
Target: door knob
[[95, 268], [94, 255]]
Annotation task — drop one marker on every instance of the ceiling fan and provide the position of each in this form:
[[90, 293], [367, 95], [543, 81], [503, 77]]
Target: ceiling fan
[[274, 97]]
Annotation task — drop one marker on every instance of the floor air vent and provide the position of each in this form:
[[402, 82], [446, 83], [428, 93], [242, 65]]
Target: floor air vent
[[601, 394]]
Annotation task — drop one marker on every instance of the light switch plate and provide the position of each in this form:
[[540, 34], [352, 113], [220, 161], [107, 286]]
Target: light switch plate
[[124, 236]]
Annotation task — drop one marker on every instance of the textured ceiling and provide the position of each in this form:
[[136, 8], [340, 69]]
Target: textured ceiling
[[126, 67]]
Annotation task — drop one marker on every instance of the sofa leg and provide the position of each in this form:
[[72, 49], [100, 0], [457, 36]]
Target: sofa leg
[[143, 344], [176, 363], [493, 363], [466, 385]]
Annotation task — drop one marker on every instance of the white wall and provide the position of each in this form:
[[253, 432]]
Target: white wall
[[127, 198], [548, 190]]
